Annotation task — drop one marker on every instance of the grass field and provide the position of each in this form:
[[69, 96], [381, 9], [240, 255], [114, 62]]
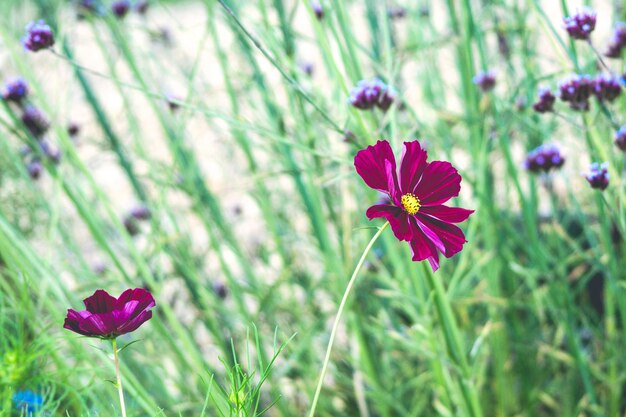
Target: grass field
[[222, 158]]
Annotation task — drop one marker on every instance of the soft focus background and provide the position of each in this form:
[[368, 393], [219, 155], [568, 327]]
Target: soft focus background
[[229, 122]]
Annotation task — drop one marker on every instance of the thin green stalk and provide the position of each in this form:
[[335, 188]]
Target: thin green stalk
[[118, 375]]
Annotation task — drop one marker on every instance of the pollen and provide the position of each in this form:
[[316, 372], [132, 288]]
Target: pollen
[[411, 203]]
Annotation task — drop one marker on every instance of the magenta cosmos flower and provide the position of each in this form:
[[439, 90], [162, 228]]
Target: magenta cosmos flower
[[107, 317], [416, 194]]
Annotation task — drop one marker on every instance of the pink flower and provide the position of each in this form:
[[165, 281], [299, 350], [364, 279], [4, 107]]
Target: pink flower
[[416, 192]]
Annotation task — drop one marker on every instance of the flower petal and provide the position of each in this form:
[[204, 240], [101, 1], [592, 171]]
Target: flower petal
[[397, 218], [412, 165], [450, 235], [370, 164], [73, 320], [422, 248], [99, 325], [132, 325], [100, 302], [439, 183], [145, 299], [447, 214]]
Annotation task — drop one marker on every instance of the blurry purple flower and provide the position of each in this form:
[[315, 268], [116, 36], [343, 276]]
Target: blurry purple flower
[[581, 24], [370, 93], [349, 136], [34, 169], [576, 90], [396, 12], [131, 225], [142, 6], [220, 289], [107, 317], [485, 80], [99, 268], [606, 87], [120, 8], [617, 42], [140, 212], [544, 158], [317, 9], [51, 152], [73, 129], [546, 101], [15, 90], [598, 175], [306, 67], [520, 103], [38, 36], [173, 102], [620, 138], [35, 121]]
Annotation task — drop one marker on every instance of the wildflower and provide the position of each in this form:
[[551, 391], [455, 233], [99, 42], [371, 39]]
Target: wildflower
[[73, 129], [370, 93], [306, 67], [120, 8], [617, 42], [27, 401], [598, 175], [620, 138], [317, 9], [51, 152], [576, 90], [544, 158], [580, 25], [15, 90], [35, 121], [140, 212], [88, 7], [142, 6], [546, 101], [38, 36], [34, 169], [173, 102], [606, 87], [396, 12], [220, 289], [485, 80], [416, 192], [107, 317]]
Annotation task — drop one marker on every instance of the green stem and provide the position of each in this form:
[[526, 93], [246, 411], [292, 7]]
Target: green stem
[[342, 305], [119, 376]]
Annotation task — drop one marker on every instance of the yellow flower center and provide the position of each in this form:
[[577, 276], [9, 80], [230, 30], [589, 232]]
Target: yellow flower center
[[411, 203]]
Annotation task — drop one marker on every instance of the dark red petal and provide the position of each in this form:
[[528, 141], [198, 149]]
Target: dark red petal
[[72, 322], [144, 298], [100, 302], [398, 219], [132, 325], [412, 165], [439, 183], [447, 214], [99, 324], [450, 235], [370, 164], [423, 248]]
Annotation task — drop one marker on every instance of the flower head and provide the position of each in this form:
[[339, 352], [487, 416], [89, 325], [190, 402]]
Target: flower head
[[606, 87], [107, 317], [142, 6], [544, 158], [617, 42], [576, 90], [598, 175], [35, 121], [620, 138], [38, 36], [120, 8], [416, 192], [581, 24], [317, 9], [27, 401], [15, 90], [34, 169], [368, 94], [485, 80], [546, 100]]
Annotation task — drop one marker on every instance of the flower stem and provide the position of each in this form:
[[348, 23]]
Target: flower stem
[[342, 305], [119, 376], [453, 343]]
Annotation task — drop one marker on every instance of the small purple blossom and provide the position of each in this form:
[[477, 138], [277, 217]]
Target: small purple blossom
[[606, 87], [38, 36], [317, 9], [120, 8], [598, 175], [617, 42], [35, 121], [546, 100], [73, 129], [51, 152], [544, 158], [142, 6], [140, 212], [370, 93], [485, 80], [15, 90], [580, 25], [396, 12], [620, 138], [34, 169], [576, 90]]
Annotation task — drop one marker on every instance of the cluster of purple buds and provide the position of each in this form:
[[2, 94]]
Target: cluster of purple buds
[[618, 41], [544, 158], [38, 36], [120, 8], [598, 175], [33, 161], [620, 138], [576, 91], [580, 25], [35, 121], [15, 90], [485, 80], [606, 87], [370, 93], [546, 100], [317, 9], [136, 214]]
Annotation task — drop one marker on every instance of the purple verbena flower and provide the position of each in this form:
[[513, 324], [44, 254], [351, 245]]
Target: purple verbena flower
[[51, 152], [580, 25], [620, 138], [317, 9], [140, 212], [15, 90], [606, 87], [396, 12], [35, 121], [576, 90], [120, 8], [142, 6], [34, 168], [546, 100], [73, 129], [598, 175], [617, 42], [370, 93], [544, 158], [38, 36], [485, 80]]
